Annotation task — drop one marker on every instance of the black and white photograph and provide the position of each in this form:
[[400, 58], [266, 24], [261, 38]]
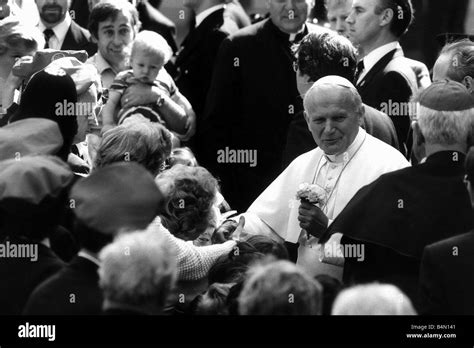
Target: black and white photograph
[[248, 172]]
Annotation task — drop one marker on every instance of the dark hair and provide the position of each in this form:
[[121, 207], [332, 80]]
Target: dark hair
[[232, 267], [110, 10], [191, 195], [462, 53], [324, 54], [402, 14], [213, 301], [268, 246], [40, 102], [91, 239], [331, 288]]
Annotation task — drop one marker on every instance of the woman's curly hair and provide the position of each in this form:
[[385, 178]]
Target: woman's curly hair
[[191, 193]]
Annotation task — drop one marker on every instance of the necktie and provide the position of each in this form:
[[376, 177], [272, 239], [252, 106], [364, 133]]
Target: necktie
[[48, 34], [359, 70]]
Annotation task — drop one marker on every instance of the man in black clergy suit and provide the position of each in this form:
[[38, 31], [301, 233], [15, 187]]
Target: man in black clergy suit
[[60, 30], [402, 212], [251, 101], [196, 59], [384, 78], [320, 55], [446, 281]]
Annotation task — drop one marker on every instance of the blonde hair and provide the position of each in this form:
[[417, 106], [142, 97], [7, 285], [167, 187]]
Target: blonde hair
[[152, 43]]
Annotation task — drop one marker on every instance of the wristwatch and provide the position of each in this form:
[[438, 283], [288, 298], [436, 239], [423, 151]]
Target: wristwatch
[[160, 101]]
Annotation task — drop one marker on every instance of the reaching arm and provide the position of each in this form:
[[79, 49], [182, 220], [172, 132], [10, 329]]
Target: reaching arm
[[193, 262]]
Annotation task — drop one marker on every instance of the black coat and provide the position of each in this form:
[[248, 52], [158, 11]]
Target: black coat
[[391, 79], [401, 213], [196, 59], [300, 140], [251, 101], [152, 19], [20, 276], [78, 38], [447, 277], [73, 291]]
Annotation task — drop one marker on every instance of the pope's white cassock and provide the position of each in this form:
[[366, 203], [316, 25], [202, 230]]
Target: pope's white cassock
[[276, 209]]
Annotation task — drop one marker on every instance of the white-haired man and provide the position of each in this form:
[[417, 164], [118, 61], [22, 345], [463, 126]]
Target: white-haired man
[[137, 273], [399, 214], [347, 158], [372, 299]]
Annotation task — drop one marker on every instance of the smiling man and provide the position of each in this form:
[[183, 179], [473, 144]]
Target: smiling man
[[252, 99], [60, 30], [347, 158]]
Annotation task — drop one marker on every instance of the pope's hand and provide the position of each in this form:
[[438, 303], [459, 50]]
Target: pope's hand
[[312, 219]]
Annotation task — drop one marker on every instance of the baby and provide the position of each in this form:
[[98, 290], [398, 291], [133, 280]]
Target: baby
[[150, 52]]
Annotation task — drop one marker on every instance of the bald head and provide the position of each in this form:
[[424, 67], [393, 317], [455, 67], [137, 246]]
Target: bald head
[[333, 111]]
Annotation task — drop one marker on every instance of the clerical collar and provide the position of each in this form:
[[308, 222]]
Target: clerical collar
[[89, 257], [294, 37], [347, 155]]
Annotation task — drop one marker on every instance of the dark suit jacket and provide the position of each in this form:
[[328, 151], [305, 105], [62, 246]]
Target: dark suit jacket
[[251, 101], [53, 296], [196, 59], [78, 38], [152, 19], [401, 213], [446, 277], [391, 79], [19, 277], [300, 140]]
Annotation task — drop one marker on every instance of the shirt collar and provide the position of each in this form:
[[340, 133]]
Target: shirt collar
[[350, 152], [89, 257], [373, 57], [204, 14], [101, 64], [60, 30]]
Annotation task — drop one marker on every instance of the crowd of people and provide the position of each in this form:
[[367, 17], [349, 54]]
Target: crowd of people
[[269, 165]]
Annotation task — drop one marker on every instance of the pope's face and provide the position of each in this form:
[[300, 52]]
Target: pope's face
[[289, 15], [364, 23], [332, 119], [52, 11], [337, 14]]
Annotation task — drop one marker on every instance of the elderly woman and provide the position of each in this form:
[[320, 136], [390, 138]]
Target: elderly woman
[[146, 143], [192, 201], [17, 40]]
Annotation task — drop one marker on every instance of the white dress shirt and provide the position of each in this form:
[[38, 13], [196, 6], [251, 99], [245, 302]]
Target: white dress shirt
[[373, 57], [60, 30], [206, 13]]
